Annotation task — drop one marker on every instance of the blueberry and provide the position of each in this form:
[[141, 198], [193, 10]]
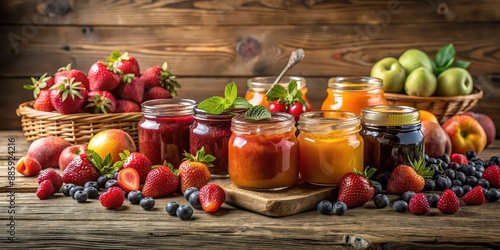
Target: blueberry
[[147, 203], [324, 207], [456, 183], [400, 206], [432, 160], [433, 199], [479, 169], [73, 190], [488, 163], [115, 175], [66, 188], [471, 170], [439, 162], [434, 167], [91, 192], [430, 184], [470, 154], [189, 191], [135, 197], [478, 175], [466, 188], [478, 163], [377, 186], [91, 184], [471, 180], [443, 182], [339, 208], [492, 195], [407, 196], [194, 200], [450, 173], [496, 160], [484, 191], [381, 201], [461, 177], [444, 165], [445, 158], [80, 196], [426, 157], [184, 212], [101, 181], [458, 190], [111, 183], [454, 165], [483, 183], [463, 168], [172, 207]]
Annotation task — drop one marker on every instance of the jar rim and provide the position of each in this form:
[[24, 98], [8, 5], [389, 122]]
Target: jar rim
[[279, 122], [355, 83], [390, 115], [265, 82], [227, 114], [324, 121], [168, 107]]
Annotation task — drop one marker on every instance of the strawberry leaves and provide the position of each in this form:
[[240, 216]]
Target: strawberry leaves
[[69, 87], [216, 104], [200, 157], [287, 97], [168, 81], [37, 84]]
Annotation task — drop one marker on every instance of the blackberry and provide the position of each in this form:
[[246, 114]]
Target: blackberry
[[189, 191], [378, 187], [339, 208], [483, 183], [73, 190], [470, 154], [445, 158], [492, 195], [111, 183], [471, 180], [430, 184], [324, 207], [135, 196], [171, 207], [194, 200], [80, 196], [184, 212], [407, 196], [456, 183], [433, 199], [91, 192], [496, 160], [147, 203], [400, 206], [91, 184], [466, 188], [101, 181], [66, 188], [381, 201], [458, 190], [443, 182], [461, 177], [450, 173]]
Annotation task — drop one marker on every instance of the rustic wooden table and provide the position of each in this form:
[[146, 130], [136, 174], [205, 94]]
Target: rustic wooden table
[[61, 222]]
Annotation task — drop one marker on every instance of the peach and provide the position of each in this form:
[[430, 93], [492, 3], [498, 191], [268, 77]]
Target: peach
[[47, 150], [436, 141], [111, 141], [465, 134], [487, 124], [28, 166]]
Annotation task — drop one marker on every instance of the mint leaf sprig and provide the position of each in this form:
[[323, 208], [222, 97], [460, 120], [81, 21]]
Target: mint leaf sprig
[[257, 112], [216, 104], [445, 58], [286, 96]]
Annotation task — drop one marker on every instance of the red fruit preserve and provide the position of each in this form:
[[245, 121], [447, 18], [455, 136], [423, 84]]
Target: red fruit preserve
[[212, 132], [164, 129]]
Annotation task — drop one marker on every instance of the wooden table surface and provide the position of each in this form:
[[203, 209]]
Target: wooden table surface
[[62, 222]]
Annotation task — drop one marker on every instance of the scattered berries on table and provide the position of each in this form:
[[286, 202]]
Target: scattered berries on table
[[339, 208], [101, 181], [211, 197], [409, 178], [91, 192], [193, 171], [111, 183], [449, 202], [433, 200], [407, 196], [475, 196], [161, 181], [458, 190], [194, 200], [189, 191], [184, 212], [51, 175], [73, 190], [147, 203], [325, 207], [492, 195], [400, 206], [45, 190], [92, 184], [419, 205], [355, 188], [81, 196], [112, 198], [135, 196], [492, 175], [381, 201], [172, 207], [66, 188]]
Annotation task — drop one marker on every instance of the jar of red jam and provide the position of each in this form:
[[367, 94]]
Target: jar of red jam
[[263, 154], [213, 132], [392, 137], [164, 129]]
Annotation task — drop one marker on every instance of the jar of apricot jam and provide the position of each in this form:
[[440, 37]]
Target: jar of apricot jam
[[352, 94], [329, 146], [263, 154], [392, 137], [258, 87], [164, 129], [212, 132]]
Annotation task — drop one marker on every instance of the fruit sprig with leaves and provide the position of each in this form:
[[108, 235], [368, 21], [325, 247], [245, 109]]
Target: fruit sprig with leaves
[[445, 59], [88, 167], [287, 100], [217, 104]]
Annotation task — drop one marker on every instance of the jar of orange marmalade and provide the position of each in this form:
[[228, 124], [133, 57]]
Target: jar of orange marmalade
[[330, 146], [263, 154], [258, 87], [353, 94]]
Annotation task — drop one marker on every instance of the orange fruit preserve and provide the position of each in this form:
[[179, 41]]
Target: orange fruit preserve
[[353, 94]]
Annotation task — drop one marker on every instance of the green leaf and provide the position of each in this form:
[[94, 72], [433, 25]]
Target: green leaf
[[213, 105], [292, 88], [230, 93], [240, 102], [461, 64], [444, 55], [258, 113], [276, 92]]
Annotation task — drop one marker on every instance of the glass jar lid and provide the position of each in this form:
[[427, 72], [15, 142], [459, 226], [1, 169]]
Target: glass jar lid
[[387, 115], [326, 121], [264, 83], [168, 107], [279, 122], [355, 83]]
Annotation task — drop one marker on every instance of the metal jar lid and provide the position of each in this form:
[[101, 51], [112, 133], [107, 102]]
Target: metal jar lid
[[386, 115]]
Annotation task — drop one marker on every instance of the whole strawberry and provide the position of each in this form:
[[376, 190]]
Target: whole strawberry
[[68, 73], [100, 101], [37, 85], [136, 161], [474, 196], [42, 102], [125, 106], [160, 77], [406, 178], [449, 202], [103, 76], [161, 181], [355, 188], [492, 175], [45, 190], [131, 88], [88, 167], [193, 171], [419, 205], [211, 197], [49, 174], [113, 198], [125, 63], [156, 93], [68, 97]]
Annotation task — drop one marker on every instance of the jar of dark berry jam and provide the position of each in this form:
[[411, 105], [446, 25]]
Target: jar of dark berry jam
[[392, 136], [212, 132], [164, 129]]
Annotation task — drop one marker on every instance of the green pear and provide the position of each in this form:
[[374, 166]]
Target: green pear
[[413, 59], [391, 73], [420, 82], [454, 82]]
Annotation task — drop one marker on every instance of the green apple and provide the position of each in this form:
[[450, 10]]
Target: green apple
[[420, 82], [391, 73], [453, 82], [413, 59]]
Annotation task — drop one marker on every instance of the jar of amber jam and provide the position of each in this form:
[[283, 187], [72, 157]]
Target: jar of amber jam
[[329, 146], [392, 137], [212, 132], [263, 154], [164, 129], [258, 87], [352, 94]]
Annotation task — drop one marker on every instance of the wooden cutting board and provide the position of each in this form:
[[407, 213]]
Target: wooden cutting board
[[298, 198]]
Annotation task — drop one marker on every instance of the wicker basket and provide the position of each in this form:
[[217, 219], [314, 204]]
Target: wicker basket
[[76, 128], [442, 107]]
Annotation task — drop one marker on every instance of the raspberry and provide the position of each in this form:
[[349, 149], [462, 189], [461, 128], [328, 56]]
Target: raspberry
[[45, 190], [112, 198], [475, 196], [51, 175]]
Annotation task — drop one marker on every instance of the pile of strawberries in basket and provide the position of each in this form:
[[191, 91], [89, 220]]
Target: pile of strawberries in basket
[[112, 86]]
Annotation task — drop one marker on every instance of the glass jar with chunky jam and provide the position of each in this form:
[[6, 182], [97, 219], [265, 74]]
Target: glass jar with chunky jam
[[352, 94], [329, 146], [258, 87], [392, 137], [164, 129], [263, 154], [212, 132]]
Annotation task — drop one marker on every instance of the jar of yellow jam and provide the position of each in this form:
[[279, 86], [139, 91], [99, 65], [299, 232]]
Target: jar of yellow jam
[[263, 154], [258, 87], [330, 146], [352, 94]]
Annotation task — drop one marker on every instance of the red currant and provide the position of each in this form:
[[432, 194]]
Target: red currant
[[296, 109], [276, 106]]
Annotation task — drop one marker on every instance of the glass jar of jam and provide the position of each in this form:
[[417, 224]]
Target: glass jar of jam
[[258, 87], [164, 129], [352, 94], [392, 137], [329, 146], [263, 154], [212, 132]]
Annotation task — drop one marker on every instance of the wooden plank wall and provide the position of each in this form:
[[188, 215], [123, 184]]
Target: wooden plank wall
[[210, 43]]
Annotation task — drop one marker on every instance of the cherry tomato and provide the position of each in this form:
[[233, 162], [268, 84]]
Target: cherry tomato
[[276, 106], [296, 109]]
